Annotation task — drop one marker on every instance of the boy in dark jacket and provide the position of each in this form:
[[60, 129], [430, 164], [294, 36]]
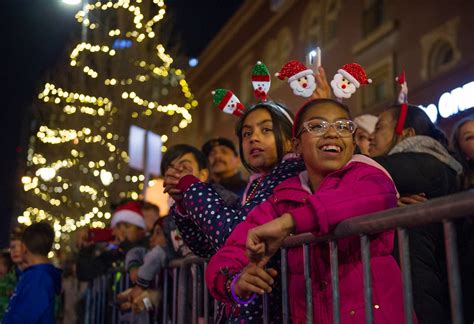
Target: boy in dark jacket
[[33, 298]]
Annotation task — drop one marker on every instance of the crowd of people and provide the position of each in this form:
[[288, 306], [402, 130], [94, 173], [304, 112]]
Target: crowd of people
[[307, 173]]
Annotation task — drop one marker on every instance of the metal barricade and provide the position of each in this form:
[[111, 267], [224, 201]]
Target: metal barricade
[[443, 210], [186, 298]]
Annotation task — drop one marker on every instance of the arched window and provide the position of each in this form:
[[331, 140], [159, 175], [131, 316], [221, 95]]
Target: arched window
[[439, 49], [440, 58]]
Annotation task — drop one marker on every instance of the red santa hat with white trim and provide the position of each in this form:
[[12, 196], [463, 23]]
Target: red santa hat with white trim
[[293, 70], [355, 74], [129, 213]]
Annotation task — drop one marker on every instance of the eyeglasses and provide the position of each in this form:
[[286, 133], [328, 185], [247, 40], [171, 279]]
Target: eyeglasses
[[318, 127]]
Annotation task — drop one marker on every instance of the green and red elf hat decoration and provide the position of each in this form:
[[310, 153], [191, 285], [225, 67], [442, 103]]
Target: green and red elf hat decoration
[[227, 101], [261, 81], [403, 101]]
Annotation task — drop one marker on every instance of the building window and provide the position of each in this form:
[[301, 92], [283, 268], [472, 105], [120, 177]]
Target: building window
[[373, 15], [441, 56], [439, 49]]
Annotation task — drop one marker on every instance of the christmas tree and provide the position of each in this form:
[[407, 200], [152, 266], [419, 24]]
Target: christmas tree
[[118, 75]]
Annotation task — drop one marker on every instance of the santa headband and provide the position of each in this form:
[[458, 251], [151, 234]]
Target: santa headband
[[300, 78], [228, 102], [403, 101]]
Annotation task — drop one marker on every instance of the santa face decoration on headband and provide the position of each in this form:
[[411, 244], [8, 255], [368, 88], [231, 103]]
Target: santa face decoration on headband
[[348, 79], [300, 78]]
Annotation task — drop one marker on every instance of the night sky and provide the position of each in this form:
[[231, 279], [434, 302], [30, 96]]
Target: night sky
[[35, 35]]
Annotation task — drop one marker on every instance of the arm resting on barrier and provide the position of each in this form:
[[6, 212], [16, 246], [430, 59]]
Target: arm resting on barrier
[[372, 192]]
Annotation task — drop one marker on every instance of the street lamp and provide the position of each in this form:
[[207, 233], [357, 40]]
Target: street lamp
[[71, 2]]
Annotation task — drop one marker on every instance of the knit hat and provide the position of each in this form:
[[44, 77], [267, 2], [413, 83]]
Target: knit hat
[[226, 101], [293, 70], [209, 145], [129, 213], [366, 122], [355, 74], [260, 72]]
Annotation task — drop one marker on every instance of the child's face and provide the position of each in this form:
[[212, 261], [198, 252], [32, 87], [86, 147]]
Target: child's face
[[189, 162], [3, 268], [362, 140], [130, 232], [157, 237], [466, 140], [329, 151], [258, 141], [382, 139], [150, 216], [16, 252]]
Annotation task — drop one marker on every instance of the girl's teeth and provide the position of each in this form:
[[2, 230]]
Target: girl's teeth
[[331, 148]]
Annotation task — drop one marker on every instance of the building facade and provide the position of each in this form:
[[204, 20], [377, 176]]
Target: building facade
[[429, 40]]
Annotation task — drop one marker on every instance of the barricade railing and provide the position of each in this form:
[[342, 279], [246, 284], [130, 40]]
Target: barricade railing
[[177, 286], [443, 210]]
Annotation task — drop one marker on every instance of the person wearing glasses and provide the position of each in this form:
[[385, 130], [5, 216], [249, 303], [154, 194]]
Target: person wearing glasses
[[336, 185]]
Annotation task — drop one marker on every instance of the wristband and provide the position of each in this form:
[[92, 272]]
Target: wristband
[[147, 303], [237, 299]]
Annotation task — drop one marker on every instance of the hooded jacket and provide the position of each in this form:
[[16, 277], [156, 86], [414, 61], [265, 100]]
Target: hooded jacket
[[32, 301], [359, 188]]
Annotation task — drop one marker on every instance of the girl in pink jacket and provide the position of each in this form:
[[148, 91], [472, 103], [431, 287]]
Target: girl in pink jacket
[[337, 185]]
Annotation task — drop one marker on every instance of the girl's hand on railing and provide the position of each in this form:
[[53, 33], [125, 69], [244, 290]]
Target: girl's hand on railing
[[254, 279], [323, 90], [412, 199], [265, 240], [134, 275]]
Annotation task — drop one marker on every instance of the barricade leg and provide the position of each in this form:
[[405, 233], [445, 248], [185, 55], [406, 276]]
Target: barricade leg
[[335, 281], [365, 249], [403, 247], [284, 286], [454, 279], [308, 284]]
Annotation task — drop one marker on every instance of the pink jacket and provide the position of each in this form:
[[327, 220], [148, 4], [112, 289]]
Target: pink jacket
[[361, 187]]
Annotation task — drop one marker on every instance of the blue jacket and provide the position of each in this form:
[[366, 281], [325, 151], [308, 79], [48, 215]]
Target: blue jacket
[[33, 298]]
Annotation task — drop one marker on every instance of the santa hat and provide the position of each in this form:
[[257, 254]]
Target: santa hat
[[355, 74], [260, 72], [366, 122], [129, 213], [293, 70]]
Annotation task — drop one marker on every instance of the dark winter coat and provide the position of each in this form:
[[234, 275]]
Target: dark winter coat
[[424, 172], [92, 261], [235, 184]]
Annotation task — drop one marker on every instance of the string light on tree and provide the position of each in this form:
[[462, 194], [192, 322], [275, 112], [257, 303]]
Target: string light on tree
[[77, 162]]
